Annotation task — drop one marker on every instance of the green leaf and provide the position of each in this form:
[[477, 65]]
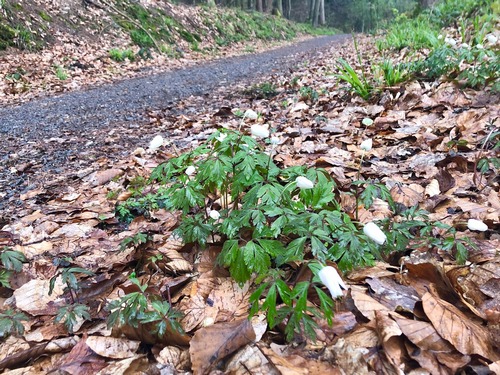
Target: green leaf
[[12, 260], [269, 306], [272, 247], [284, 292], [326, 304], [256, 258], [318, 249], [5, 278], [294, 252]]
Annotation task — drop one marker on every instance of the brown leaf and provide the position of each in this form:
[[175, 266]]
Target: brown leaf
[[103, 177], [422, 334], [111, 347], [467, 336], [366, 304], [81, 360], [427, 360], [211, 344], [392, 294]]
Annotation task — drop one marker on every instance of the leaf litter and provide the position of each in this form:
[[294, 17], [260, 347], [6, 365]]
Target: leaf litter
[[419, 312]]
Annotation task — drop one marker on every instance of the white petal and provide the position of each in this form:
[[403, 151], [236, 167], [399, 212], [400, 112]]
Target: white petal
[[374, 233], [214, 214], [252, 115], [478, 225], [275, 140], [366, 144], [190, 170], [332, 280], [259, 131], [156, 143], [221, 137], [304, 183]]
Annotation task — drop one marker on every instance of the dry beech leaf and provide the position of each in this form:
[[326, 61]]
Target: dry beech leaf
[[81, 360], [33, 297], [366, 304], [112, 347], [394, 295], [296, 363], [406, 196], [103, 177], [175, 357], [250, 360], [422, 334], [175, 262], [230, 299], [211, 344], [426, 359], [467, 336], [433, 188], [135, 365]]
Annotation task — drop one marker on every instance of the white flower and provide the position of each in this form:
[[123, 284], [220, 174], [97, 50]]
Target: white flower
[[304, 183], [156, 143], [491, 38], [452, 42], [275, 141], [190, 170], [479, 46], [214, 214], [332, 280], [478, 225], [221, 137], [252, 115], [367, 121], [366, 145], [374, 233], [440, 37], [259, 131], [464, 45]]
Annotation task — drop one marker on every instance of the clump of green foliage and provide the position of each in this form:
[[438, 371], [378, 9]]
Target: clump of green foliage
[[263, 90], [141, 308], [230, 188], [358, 82], [121, 55], [11, 261], [61, 73]]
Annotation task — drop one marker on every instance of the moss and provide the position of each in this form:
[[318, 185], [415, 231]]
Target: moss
[[45, 16], [7, 35]]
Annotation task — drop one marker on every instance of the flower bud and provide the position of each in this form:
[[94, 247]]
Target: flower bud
[[366, 145], [156, 143], [259, 131], [190, 170], [332, 280], [304, 183], [214, 214], [477, 225], [252, 115], [373, 232]]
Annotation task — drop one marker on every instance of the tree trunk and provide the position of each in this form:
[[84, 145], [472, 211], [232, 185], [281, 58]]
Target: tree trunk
[[315, 15], [322, 20], [288, 8], [259, 6], [268, 6], [279, 7]]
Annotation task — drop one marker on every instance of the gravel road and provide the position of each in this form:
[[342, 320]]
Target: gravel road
[[46, 134]]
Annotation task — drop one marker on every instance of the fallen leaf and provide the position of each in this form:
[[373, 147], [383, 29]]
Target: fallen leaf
[[211, 344]]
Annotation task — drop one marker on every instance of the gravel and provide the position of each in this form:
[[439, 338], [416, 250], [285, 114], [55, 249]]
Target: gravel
[[49, 135]]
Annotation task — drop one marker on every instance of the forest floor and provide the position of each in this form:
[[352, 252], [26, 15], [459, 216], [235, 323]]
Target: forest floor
[[68, 160]]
